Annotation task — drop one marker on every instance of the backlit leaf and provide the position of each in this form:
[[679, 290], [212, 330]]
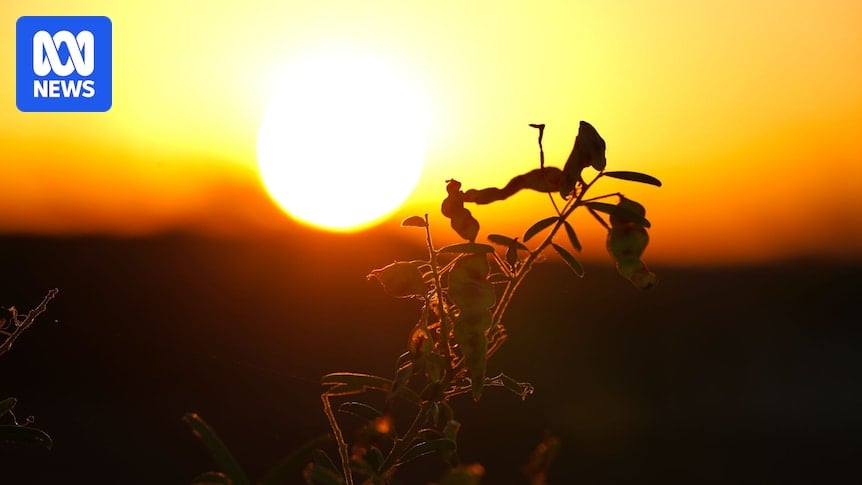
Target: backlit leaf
[[361, 410], [634, 177], [538, 227], [24, 436], [569, 259], [322, 459], [522, 389], [498, 278], [220, 453], [439, 445], [356, 382]]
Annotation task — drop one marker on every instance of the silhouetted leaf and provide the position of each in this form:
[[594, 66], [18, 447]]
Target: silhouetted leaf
[[7, 404], [506, 241], [211, 478], [220, 453], [361, 410], [569, 259], [539, 226], [293, 462], [425, 447], [466, 248], [24, 436], [599, 218], [621, 211], [414, 221], [634, 177], [573, 238]]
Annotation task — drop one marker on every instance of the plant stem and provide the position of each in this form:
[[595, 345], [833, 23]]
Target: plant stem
[[512, 287], [343, 450], [28, 320], [403, 444], [445, 328]]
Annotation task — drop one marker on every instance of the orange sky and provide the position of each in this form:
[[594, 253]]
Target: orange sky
[[749, 112]]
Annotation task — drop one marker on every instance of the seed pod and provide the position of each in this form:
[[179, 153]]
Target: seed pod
[[469, 287], [627, 242], [628, 208], [465, 224], [401, 279], [461, 220], [471, 336], [546, 179]]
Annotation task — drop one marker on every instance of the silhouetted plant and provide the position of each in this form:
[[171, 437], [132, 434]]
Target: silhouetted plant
[[12, 326], [464, 291]]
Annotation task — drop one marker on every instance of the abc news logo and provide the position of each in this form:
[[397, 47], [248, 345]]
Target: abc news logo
[[63, 64]]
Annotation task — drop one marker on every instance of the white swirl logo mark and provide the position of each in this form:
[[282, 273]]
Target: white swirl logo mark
[[46, 53]]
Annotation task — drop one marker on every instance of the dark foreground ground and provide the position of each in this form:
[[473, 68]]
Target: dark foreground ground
[[725, 375]]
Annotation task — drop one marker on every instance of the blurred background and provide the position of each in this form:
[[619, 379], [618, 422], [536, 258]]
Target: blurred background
[[184, 287]]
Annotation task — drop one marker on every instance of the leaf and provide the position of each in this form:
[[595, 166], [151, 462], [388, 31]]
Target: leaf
[[293, 462], [414, 221], [522, 389], [622, 212], [211, 478], [506, 241], [439, 445], [569, 259], [375, 458], [498, 278], [353, 382], [466, 248], [634, 177], [23, 436], [599, 218], [538, 227], [573, 238], [361, 410], [7, 404], [322, 459], [320, 475], [220, 453], [401, 279]]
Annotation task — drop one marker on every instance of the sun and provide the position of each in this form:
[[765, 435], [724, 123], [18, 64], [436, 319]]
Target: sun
[[342, 142]]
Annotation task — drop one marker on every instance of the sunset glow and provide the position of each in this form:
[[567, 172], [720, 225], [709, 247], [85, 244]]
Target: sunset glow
[[748, 112], [342, 142]]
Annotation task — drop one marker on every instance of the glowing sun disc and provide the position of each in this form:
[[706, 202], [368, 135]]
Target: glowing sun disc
[[342, 141]]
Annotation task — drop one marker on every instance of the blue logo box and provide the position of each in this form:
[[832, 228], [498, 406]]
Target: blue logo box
[[63, 64]]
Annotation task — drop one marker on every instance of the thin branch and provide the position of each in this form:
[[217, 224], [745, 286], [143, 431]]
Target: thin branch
[[20, 327], [343, 450]]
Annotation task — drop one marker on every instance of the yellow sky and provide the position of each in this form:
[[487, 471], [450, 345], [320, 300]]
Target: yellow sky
[[749, 111]]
